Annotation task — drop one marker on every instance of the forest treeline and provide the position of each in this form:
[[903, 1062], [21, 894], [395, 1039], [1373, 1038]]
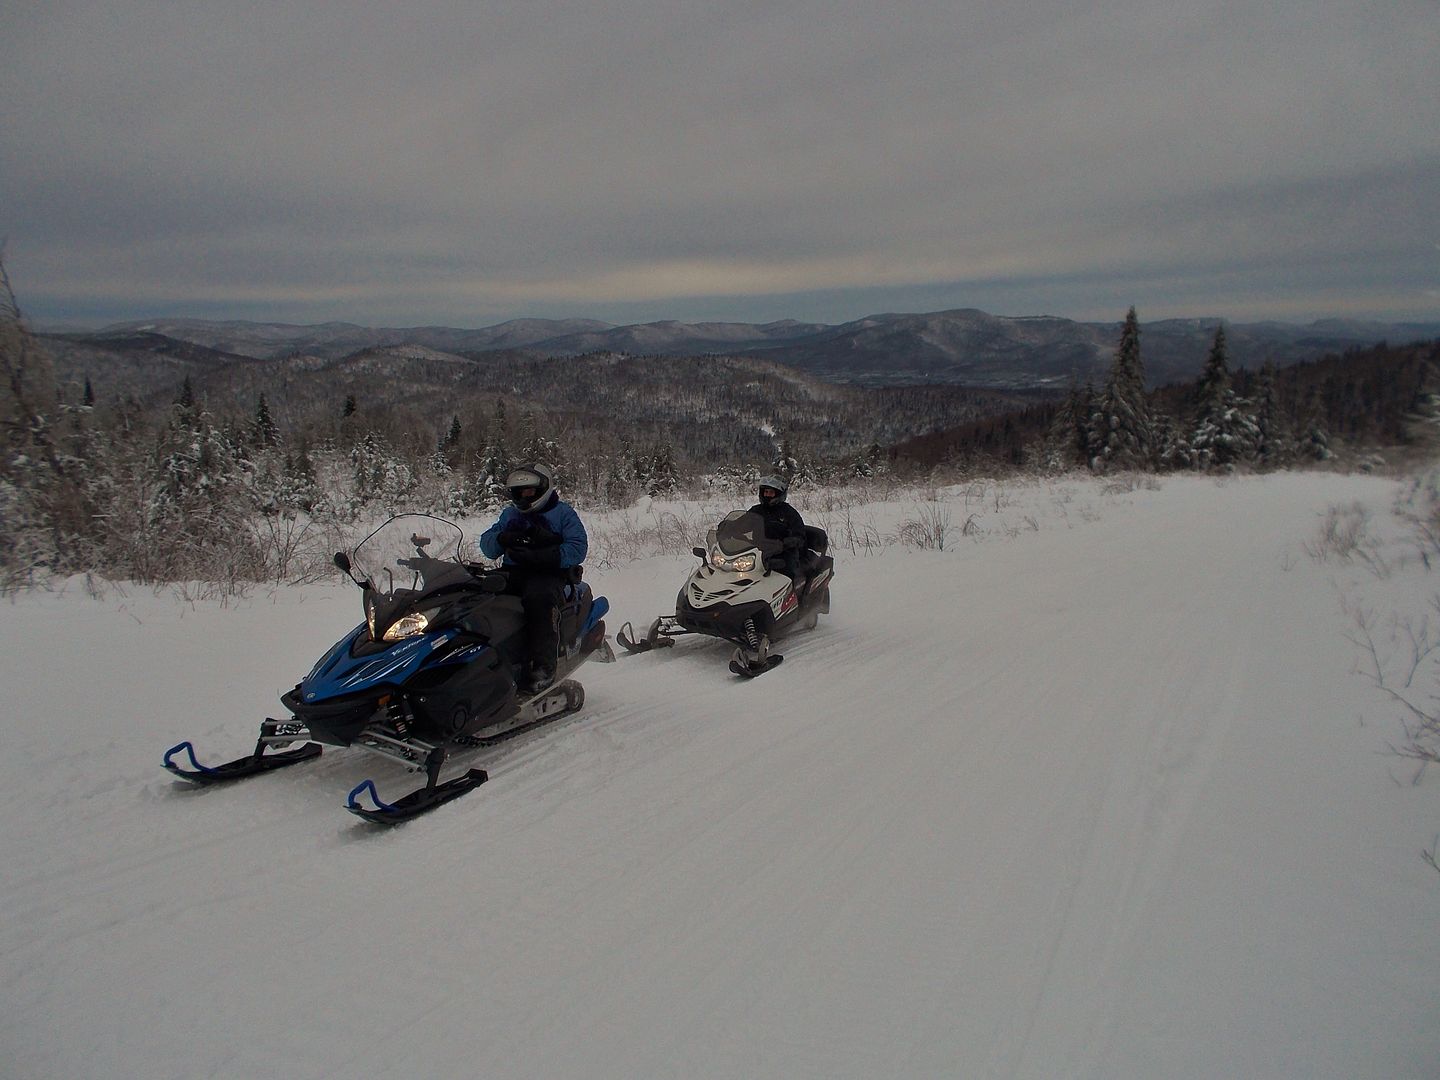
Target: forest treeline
[[1361, 404], [212, 467]]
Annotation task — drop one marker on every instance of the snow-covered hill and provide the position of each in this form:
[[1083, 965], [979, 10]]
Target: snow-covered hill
[[1101, 789]]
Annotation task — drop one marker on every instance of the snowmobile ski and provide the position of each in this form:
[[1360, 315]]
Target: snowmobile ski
[[740, 665], [251, 765], [661, 635], [414, 804], [544, 708]]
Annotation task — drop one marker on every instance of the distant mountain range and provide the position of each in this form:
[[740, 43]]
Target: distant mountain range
[[960, 347]]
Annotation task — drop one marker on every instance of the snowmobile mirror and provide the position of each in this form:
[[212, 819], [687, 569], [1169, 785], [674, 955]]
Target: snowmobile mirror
[[494, 582], [699, 552], [342, 561]]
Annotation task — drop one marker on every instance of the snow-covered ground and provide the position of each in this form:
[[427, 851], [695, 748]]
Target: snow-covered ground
[[1101, 789]]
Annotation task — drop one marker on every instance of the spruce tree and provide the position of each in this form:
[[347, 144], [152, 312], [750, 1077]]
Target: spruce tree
[[1421, 422], [785, 463], [1066, 442], [1224, 434], [1172, 449], [1123, 428], [1314, 440], [662, 479], [263, 431], [1276, 445]]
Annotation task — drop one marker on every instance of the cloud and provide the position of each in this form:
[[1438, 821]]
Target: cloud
[[459, 160]]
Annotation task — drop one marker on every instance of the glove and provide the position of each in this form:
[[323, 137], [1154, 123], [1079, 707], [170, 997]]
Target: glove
[[775, 562], [513, 538], [793, 543], [547, 539]]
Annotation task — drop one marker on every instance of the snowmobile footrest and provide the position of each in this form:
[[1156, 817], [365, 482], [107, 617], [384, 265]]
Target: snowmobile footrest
[[416, 803], [250, 765]]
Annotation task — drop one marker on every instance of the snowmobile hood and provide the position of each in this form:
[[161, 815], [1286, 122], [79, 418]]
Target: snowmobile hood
[[340, 672]]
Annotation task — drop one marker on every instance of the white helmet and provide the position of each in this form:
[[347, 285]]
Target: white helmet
[[776, 483], [529, 486]]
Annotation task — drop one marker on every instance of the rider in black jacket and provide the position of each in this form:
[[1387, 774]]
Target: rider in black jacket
[[783, 523]]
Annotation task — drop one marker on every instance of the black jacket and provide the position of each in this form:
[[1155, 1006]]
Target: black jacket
[[781, 520]]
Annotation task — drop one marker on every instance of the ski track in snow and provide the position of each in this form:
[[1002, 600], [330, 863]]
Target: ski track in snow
[[1093, 801]]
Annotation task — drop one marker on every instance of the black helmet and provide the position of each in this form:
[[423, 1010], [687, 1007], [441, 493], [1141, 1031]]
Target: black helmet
[[775, 483], [530, 485]]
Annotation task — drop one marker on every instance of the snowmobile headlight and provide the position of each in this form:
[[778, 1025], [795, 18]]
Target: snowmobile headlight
[[407, 626], [740, 564]]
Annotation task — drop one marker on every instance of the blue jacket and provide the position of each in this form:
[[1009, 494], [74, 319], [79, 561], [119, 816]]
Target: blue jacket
[[556, 517]]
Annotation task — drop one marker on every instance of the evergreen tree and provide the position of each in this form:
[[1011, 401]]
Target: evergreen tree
[[1067, 440], [495, 463], [785, 463], [736, 480], [867, 463], [619, 486], [1214, 382], [447, 454], [88, 398], [380, 475], [1314, 440], [662, 479], [1225, 433], [1421, 423], [1172, 449], [449, 447], [1122, 423], [1275, 447], [546, 451], [263, 431], [1087, 439]]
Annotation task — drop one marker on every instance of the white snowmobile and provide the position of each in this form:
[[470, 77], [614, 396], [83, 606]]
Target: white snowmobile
[[740, 592]]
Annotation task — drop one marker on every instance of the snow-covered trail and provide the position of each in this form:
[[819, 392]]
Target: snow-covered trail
[[1095, 801]]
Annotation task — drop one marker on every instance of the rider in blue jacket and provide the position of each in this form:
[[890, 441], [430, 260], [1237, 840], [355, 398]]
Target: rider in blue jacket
[[540, 542]]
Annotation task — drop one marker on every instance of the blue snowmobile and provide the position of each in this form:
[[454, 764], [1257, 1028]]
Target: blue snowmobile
[[429, 676]]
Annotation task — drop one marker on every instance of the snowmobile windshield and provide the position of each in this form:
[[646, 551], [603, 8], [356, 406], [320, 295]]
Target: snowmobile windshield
[[413, 552], [741, 530]]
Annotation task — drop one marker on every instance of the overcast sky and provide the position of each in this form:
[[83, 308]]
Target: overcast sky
[[463, 162]]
